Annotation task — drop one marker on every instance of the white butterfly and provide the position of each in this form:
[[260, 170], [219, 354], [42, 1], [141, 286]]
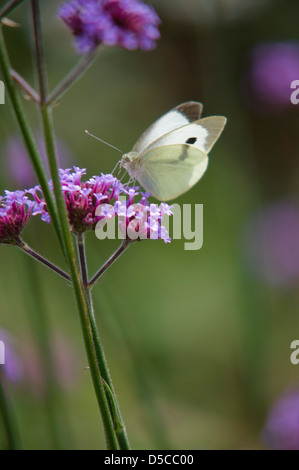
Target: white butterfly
[[172, 154]]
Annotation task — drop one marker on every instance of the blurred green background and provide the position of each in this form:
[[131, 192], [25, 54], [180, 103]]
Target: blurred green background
[[198, 342]]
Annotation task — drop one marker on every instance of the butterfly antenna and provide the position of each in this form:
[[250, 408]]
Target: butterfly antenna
[[104, 142]]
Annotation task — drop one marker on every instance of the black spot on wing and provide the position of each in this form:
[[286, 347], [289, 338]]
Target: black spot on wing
[[191, 140], [192, 110]]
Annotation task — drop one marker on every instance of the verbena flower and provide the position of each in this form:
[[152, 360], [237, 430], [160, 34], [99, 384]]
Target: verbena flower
[[15, 211], [273, 68], [102, 198], [281, 431], [139, 220], [126, 23]]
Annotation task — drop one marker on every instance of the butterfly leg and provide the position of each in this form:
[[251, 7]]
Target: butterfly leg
[[115, 168]]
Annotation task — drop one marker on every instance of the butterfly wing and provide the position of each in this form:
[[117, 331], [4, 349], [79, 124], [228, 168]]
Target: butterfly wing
[[171, 170], [179, 116], [173, 163], [201, 134]]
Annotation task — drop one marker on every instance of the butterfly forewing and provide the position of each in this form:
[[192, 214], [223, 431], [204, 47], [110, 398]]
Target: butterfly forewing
[[179, 116], [201, 134], [213, 126]]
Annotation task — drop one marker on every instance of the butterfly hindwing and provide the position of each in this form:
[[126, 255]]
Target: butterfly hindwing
[[166, 172]]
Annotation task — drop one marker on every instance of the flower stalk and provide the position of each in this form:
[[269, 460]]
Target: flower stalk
[[80, 295], [25, 86], [125, 244], [119, 426], [78, 71], [9, 7], [29, 251]]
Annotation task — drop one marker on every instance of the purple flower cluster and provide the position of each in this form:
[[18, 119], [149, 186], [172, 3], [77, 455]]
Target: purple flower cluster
[[15, 211], [126, 23], [82, 198], [139, 220], [88, 202]]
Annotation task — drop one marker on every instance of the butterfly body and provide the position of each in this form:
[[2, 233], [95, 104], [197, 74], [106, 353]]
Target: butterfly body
[[172, 154]]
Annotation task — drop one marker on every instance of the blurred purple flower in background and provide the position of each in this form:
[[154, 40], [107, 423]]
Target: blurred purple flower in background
[[281, 431], [271, 244], [126, 23], [65, 361], [17, 164], [273, 68], [68, 367], [13, 368]]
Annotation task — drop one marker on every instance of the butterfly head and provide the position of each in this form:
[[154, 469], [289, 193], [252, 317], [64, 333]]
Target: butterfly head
[[128, 160]]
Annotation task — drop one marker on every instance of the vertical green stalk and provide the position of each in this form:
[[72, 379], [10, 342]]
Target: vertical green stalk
[[119, 425], [81, 299], [9, 421], [80, 296], [40, 64]]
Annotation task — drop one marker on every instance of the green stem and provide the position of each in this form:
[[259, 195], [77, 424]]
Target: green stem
[[29, 251], [12, 432], [9, 7], [119, 425], [77, 72], [29, 141], [40, 63], [82, 258], [81, 299]]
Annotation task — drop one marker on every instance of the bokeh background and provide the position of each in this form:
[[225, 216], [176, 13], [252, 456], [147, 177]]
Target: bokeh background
[[198, 342]]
